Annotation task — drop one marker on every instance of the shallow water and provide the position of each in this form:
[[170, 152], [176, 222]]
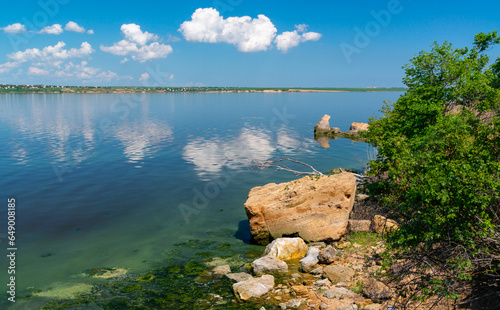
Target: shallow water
[[119, 180]]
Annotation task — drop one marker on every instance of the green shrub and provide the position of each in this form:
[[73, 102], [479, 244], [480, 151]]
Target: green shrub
[[438, 165]]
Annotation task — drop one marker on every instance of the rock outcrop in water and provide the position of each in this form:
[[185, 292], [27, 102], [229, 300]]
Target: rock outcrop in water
[[312, 208], [323, 132]]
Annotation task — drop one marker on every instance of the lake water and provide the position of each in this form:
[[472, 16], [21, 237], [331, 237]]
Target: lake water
[[119, 180]]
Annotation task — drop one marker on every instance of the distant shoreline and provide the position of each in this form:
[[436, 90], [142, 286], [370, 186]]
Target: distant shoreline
[[41, 89]]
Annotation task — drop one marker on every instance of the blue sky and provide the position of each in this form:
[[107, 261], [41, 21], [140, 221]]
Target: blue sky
[[229, 42]]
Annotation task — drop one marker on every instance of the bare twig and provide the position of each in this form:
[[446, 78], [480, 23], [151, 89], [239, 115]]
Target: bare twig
[[275, 163]]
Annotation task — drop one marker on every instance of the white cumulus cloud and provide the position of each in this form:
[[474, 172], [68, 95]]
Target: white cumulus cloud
[[90, 31], [54, 29], [16, 28], [135, 46], [289, 39], [72, 26], [52, 53], [144, 77], [133, 33], [49, 60], [6, 67], [107, 75], [37, 71], [247, 34]]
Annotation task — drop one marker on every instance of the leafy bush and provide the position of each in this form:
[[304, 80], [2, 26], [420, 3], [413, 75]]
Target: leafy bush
[[438, 166]]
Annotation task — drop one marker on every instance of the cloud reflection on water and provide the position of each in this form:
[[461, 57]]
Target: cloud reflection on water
[[143, 138], [210, 156]]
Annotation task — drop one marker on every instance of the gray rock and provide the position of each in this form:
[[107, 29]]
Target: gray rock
[[221, 270], [239, 276], [324, 282], [348, 307], [317, 271], [268, 264], [338, 273], [293, 304], [376, 290], [327, 256], [338, 292], [253, 288], [308, 263]]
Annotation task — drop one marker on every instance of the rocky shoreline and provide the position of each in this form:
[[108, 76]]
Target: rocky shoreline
[[307, 265], [294, 275]]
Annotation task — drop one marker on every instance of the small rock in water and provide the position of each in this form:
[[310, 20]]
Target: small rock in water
[[309, 262], [239, 276], [323, 126], [221, 270], [268, 264], [253, 288]]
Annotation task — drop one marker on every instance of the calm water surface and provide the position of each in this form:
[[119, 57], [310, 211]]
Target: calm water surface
[[118, 180]]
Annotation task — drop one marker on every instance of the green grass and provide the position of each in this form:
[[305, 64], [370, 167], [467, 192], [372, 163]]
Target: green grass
[[365, 239]]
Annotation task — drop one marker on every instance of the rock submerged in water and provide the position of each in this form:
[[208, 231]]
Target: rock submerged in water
[[239, 276], [314, 209], [253, 288]]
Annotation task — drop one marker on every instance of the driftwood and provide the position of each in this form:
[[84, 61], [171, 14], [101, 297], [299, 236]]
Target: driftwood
[[276, 162]]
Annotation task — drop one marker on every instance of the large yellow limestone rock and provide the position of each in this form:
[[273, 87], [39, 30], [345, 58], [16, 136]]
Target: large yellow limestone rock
[[311, 208]]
